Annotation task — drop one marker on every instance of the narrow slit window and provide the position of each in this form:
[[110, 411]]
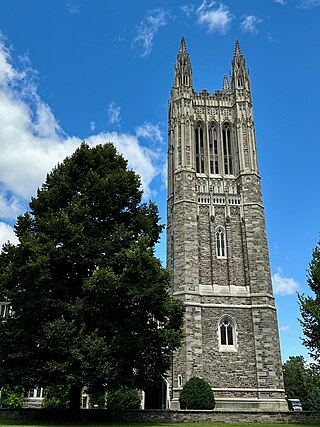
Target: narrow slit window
[[221, 243]]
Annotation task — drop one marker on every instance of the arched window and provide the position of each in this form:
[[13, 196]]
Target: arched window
[[240, 82], [213, 149], [227, 334], [199, 148], [186, 80], [221, 246], [227, 150]]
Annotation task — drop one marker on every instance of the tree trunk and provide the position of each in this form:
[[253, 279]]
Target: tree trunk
[[75, 395]]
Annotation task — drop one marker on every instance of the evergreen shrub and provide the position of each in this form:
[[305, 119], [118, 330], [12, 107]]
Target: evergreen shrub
[[197, 394]]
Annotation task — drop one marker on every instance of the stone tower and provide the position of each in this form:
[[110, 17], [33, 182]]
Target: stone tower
[[217, 246]]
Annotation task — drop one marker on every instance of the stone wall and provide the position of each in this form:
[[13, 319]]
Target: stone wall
[[151, 416]]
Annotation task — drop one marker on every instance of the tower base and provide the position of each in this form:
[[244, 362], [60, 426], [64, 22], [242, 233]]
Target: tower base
[[251, 404], [242, 400]]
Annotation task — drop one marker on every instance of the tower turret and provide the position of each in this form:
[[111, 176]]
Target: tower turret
[[225, 86]]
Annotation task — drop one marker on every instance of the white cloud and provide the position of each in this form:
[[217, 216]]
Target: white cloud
[[284, 285], [150, 131], [217, 19], [249, 24], [7, 233], [10, 206], [309, 4], [283, 2], [114, 113], [92, 125], [148, 27], [32, 141], [285, 329]]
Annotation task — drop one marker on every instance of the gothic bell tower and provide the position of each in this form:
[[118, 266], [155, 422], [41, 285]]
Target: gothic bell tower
[[217, 246]]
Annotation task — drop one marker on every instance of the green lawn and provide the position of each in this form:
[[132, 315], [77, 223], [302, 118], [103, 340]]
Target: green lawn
[[35, 424]]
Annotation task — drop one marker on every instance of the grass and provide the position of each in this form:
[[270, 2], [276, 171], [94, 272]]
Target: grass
[[20, 423]]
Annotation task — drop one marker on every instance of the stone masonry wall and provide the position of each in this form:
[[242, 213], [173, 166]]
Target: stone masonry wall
[[229, 369], [149, 416]]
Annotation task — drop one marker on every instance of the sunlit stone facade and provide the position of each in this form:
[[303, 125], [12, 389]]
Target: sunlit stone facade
[[217, 246]]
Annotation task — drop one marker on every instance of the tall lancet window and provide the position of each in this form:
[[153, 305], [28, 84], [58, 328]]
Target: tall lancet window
[[213, 149], [199, 148], [227, 150], [221, 244]]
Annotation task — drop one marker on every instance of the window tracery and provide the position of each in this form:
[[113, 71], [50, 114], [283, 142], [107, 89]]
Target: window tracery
[[213, 149], [227, 150], [199, 148], [227, 334]]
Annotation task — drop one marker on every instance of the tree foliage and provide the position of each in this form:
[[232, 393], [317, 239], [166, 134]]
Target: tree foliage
[[197, 394], [57, 397], [90, 300], [310, 307], [302, 381], [11, 397]]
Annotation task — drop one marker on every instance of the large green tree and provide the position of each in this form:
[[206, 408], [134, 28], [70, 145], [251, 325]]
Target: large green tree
[[302, 381], [90, 301], [310, 307]]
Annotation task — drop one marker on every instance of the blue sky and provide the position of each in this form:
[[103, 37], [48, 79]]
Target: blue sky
[[102, 70]]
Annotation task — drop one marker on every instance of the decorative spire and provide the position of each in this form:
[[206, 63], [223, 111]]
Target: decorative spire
[[237, 49], [183, 48], [238, 60], [182, 69], [239, 76], [225, 83]]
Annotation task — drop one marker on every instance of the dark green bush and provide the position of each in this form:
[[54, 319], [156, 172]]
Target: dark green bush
[[197, 394], [123, 398]]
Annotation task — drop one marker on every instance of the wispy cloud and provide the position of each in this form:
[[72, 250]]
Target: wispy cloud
[[249, 24], [309, 4], [92, 125], [285, 329], [188, 9], [148, 27], [216, 18], [114, 113], [32, 142], [150, 131], [283, 2], [73, 7], [284, 285]]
